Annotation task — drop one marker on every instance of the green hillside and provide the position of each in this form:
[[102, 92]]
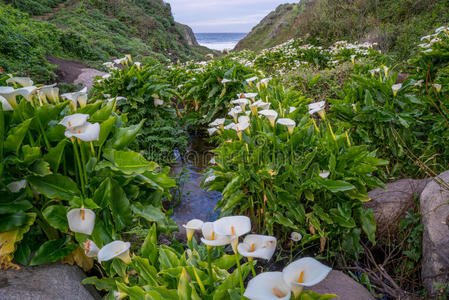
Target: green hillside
[[394, 24], [91, 31]]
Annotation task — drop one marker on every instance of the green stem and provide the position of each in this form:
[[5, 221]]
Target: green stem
[[239, 268], [209, 263], [92, 149], [47, 143], [80, 169], [252, 263], [83, 160]]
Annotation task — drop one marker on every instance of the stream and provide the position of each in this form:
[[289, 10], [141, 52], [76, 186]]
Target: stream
[[195, 202]]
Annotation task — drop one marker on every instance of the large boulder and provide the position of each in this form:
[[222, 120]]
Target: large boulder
[[342, 285], [435, 212], [390, 204], [45, 282]]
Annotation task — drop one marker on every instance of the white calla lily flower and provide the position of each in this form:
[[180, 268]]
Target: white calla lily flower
[[291, 109], [212, 130], [27, 92], [192, 226], [243, 119], [289, 123], [9, 94], [119, 249], [239, 127], [242, 102], [395, 88], [75, 120], [265, 81], [235, 226], [119, 98], [90, 249], [270, 114], [267, 286], [51, 92], [295, 236], [211, 238], [87, 132], [258, 246], [250, 80], [209, 179], [247, 95], [81, 220], [138, 64], [212, 161], [234, 112], [317, 107], [217, 122], [225, 80], [230, 126], [306, 271], [120, 295], [23, 81], [158, 102], [437, 87], [5, 104], [324, 174]]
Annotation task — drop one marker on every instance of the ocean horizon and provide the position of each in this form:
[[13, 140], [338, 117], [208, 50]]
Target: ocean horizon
[[219, 40]]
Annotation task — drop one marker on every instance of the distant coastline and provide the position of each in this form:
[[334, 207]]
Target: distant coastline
[[219, 41]]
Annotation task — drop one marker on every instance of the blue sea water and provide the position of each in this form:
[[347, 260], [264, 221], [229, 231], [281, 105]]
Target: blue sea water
[[219, 41]]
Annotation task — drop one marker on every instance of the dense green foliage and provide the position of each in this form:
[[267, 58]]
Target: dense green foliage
[[395, 25]]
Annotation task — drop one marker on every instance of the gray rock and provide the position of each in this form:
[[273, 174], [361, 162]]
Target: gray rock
[[342, 285], [435, 212], [45, 282], [389, 205]]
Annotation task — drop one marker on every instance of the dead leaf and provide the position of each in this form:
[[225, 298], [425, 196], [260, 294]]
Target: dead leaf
[[79, 258]]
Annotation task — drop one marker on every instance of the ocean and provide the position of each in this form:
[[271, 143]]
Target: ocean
[[219, 41]]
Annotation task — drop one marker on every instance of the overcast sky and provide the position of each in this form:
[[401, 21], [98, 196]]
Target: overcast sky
[[222, 15]]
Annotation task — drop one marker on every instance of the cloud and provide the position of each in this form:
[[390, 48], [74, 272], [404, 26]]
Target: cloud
[[222, 15]]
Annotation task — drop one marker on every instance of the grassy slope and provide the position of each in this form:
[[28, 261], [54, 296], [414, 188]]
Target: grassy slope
[[91, 31], [395, 24]]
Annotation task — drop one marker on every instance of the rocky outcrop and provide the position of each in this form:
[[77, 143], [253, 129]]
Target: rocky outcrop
[[342, 285], [45, 282], [188, 34], [435, 219], [390, 204]]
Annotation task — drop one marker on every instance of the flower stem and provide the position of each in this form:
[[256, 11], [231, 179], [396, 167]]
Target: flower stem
[[252, 263], [242, 288], [80, 168], [209, 263], [83, 160]]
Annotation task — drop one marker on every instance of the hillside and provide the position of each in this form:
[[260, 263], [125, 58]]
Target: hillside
[[91, 32], [393, 24]]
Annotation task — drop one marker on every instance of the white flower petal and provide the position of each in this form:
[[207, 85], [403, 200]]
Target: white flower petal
[[81, 220], [233, 226], [114, 249], [267, 286], [75, 120], [258, 246], [314, 272]]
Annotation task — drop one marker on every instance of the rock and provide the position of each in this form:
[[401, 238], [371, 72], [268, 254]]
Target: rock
[[45, 282], [435, 213], [342, 285], [86, 77], [389, 205]]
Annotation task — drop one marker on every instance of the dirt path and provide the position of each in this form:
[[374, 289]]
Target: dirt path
[[70, 71]]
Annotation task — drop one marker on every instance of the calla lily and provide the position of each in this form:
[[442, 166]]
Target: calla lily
[[217, 122], [437, 87], [225, 80], [267, 286], [23, 81], [77, 97], [239, 127], [396, 88], [119, 249], [90, 249], [247, 95], [306, 271], [26, 92], [234, 112], [16, 186], [75, 120], [258, 246], [242, 102], [51, 92], [317, 107], [250, 80], [291, 109], [9, 94], [212, 130], [230, 126], [5, 104], [209, 179], [270, 114], [120, 295], [138, 64], [324, 174], [121, 61], [265, 81], [243, 119], [289, 123], [235, 226], [191, 227], [353, 59], [295, 236], [109, 64], [212, 161], [119, 98], [81, 220], [211, 238], [158, 102], [87, 133]]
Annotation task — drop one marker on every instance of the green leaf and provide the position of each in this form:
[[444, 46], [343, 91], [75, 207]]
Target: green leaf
[[336, 186], [105, 130], [107, 284], [55, 186], [154, 214], [128, 162], [52, 251], [56, 216], [147, 273], [167, 258], [16, 135], [102, 114], [124, 136], [368, 223], [41, 168], [134, 293], [149, 247], [13, 220], [54, 155]]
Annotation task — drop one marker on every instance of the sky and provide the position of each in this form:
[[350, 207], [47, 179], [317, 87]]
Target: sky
[[222, 15]]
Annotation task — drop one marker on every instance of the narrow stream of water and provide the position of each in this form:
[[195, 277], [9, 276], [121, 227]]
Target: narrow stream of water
[[196, 202]]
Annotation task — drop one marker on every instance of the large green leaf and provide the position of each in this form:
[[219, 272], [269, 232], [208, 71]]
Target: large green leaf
[[16, 135], [368, 223], [55, 186], [134, 292], [105, 130], [124, 136], [56, 216], [336, 185], [127, 162], [147, 273], [149, 247], [154, 214], [111, 194], [54, 155], [13, 220], [107, 284], [52, 251]]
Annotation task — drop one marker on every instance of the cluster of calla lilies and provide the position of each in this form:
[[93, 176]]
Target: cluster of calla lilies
[[269, 285]]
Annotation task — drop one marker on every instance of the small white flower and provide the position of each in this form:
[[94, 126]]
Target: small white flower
[[419, 83], [250, 80], [217, 122], [324, 174], [258, 246], [87, 132], [289, 123], [74, 120], [225, 80], [23, 81], [90, 249], [81, 220], [295, 236], [291, 109], [158, 102], [209, 179], [437, 87], [211, 238], [268, 286], [119, 295], [114, 249], [230, 126], [212, 130], [192, 226], [16, 186], [317, 107], [5, 104], [212, 161], [396, 88], [270, 114]]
